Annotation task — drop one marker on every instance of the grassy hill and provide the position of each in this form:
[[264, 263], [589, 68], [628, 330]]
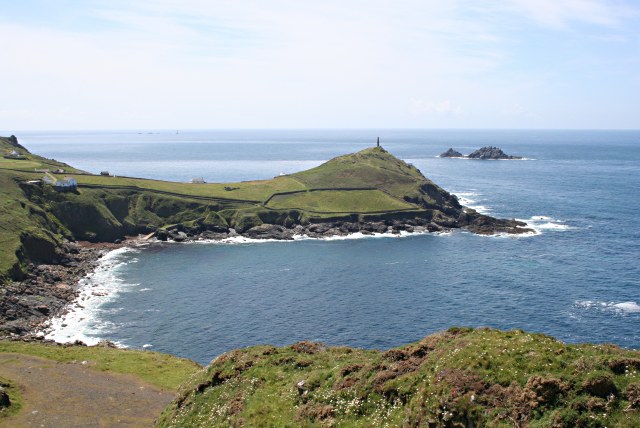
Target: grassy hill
[[457, 378], [370, 185]]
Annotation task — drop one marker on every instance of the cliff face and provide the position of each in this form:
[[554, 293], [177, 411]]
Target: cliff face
[[369, 191]]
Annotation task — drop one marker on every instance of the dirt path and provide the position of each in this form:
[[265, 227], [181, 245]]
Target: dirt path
[[76, 395]]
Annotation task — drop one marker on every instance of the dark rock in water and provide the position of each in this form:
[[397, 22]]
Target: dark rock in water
[[162, 235], [179, 237], [451, 154], [486, 225], [490, 152]]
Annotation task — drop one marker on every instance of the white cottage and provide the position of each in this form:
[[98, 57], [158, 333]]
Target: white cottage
[[66, 184]]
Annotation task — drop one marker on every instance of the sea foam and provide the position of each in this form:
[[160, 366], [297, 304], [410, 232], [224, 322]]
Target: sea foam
[[617, 308], [542, 223], [236, 240], [80, 321], [471, 199]]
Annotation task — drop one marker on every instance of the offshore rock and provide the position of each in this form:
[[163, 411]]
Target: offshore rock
[[451, 154], [490, 152]]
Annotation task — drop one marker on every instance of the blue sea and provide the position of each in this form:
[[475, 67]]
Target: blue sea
[[577, 278]]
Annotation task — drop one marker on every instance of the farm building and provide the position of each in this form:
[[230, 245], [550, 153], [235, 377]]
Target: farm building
[[65, 185], [14, 155]]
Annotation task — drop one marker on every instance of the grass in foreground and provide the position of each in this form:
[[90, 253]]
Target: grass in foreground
[[162, 370], [458, 378], [14, 395]]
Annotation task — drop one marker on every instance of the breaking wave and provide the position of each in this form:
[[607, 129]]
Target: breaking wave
[[81, 320]]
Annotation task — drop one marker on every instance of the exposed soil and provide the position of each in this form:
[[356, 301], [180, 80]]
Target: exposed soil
[[77, 395]]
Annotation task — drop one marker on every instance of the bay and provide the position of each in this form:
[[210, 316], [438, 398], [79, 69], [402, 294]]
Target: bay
[[577, 279]]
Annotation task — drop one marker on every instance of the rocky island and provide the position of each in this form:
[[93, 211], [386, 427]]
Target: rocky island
[[491, 153], [484, 153], [451, 153]]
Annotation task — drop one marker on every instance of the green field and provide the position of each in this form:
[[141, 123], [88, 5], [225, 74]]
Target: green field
[[336, 201]]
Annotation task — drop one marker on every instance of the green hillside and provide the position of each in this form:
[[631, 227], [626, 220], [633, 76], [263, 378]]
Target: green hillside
[[458, 378], [371, 185]]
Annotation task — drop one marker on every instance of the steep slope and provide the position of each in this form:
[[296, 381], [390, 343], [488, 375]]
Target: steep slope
[[457, 378], [27, 230]]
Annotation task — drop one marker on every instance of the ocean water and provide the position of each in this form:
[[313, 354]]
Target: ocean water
[[577, 278]]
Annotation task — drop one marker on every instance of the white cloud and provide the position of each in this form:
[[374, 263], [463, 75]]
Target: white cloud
[[281, 63], [561, 14]]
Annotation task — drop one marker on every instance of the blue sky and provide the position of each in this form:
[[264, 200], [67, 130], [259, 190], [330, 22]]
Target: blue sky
[[188, 64]]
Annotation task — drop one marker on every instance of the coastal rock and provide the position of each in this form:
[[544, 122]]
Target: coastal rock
[[179, 236], [491, 152], [375, 227], [45, 290], [268, 231], [451, 154], [319, 228], [485, 225]]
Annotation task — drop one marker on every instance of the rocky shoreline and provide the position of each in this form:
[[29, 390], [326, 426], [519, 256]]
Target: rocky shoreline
[[469, 220], [49, 289]]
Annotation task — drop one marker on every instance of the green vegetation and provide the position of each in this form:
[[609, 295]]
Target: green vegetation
[[162, 370], [35, 219], [14, 395], [458, 378], [339, 201]]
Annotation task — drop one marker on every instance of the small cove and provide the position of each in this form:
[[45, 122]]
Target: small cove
[[577, 279]]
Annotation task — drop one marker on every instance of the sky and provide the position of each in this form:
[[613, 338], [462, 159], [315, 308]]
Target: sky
[[208, 64]]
